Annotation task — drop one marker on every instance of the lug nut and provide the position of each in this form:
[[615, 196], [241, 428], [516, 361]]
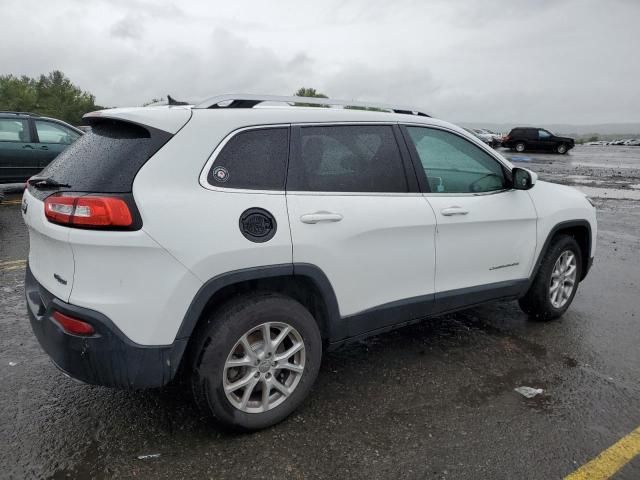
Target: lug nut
[[256, 375], [268, 375]]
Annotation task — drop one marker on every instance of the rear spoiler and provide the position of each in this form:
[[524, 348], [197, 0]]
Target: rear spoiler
[[169, 119]]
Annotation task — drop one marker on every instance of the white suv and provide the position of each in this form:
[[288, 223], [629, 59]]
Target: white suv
[[233, 241]]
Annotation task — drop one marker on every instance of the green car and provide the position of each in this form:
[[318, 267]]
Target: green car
[[29, 142]]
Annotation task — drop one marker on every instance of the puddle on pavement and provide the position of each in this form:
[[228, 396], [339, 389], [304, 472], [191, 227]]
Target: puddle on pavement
[[613, 193], [595, 181], [604, 165]]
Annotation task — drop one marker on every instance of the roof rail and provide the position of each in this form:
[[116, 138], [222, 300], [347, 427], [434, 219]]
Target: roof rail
[[11, 112], [243, 100]]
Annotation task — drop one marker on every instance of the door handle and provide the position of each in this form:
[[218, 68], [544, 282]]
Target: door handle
[[28, 146], [454, 210], [320, 217], [44, 147]]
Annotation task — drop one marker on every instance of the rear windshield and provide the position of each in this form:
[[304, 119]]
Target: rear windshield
[[106, 159]]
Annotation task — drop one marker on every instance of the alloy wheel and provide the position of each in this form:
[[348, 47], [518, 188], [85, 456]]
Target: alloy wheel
[[563, 279], [264, 367]]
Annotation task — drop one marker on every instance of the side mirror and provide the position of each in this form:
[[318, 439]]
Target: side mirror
[[523, 179]]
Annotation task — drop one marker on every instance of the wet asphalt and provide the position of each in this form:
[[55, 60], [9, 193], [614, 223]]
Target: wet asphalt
[[434, 400]]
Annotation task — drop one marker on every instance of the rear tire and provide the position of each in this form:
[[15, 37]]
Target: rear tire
[[520, 147], [562, 149], [231, 349], [549, 296]]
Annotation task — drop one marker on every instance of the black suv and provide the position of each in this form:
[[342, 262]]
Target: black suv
[[29, 142], [527, 138]]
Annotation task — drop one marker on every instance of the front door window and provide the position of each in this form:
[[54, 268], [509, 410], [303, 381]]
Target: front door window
[[455, 165]]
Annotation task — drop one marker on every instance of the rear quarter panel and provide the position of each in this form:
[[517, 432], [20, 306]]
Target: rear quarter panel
[[132, 280], [197, 226]]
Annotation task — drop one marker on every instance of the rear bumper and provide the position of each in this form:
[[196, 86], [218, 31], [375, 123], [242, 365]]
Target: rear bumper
[[106, 358]]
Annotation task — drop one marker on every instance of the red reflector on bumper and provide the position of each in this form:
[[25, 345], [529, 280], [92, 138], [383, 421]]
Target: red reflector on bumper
[[73, 325]]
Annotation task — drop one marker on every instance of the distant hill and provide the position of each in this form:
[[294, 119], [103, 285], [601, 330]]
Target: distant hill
[[622, 130]]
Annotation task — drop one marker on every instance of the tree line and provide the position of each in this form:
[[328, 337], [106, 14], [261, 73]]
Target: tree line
[[54, 95], [51, 95]]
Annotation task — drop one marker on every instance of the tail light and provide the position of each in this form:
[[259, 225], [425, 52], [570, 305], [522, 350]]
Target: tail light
[[88, 211], [73, 325]]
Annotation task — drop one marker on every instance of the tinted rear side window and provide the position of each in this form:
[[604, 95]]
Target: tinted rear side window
[[253, 159], [347, 158], [525, 133], [107, 158]]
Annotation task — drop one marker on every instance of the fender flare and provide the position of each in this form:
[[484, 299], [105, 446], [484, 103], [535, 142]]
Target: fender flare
[[215, 284], [545, 247]]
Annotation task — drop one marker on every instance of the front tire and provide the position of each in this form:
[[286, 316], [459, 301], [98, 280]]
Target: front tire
[[255, 361], [520, 147], [556, 282], [562, 149]]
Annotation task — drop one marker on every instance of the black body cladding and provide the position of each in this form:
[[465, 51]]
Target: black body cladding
[[106, 358]]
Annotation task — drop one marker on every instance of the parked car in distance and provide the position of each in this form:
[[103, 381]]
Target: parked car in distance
[[475, 133], [233, 245], [486, 136], [495, 139], [529, 138], [29, 142]]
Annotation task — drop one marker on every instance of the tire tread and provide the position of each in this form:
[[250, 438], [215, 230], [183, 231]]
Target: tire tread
[[535, 302]]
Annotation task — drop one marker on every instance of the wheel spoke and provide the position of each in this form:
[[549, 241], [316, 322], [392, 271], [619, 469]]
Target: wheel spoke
[[567, 261], [554, 286], [571, 270], [248, 391], [266, 335], [290, 366], [244, 381], [281, 388], [266, 391], [287, 354], [281, 336], [247, 348], [239, 362]]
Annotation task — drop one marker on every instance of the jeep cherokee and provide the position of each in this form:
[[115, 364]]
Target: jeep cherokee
[[232, 242]]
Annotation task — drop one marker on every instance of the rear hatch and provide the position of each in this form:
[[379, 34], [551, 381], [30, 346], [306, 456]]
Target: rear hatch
[[98, 169], [50, 255]]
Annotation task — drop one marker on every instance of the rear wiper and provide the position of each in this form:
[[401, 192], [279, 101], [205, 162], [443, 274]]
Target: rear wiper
[[43, 183]]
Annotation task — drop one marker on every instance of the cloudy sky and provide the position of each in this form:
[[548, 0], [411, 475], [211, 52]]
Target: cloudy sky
[[537, 61]]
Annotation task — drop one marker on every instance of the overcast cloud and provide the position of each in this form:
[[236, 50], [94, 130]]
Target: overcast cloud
[[563, 61]]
